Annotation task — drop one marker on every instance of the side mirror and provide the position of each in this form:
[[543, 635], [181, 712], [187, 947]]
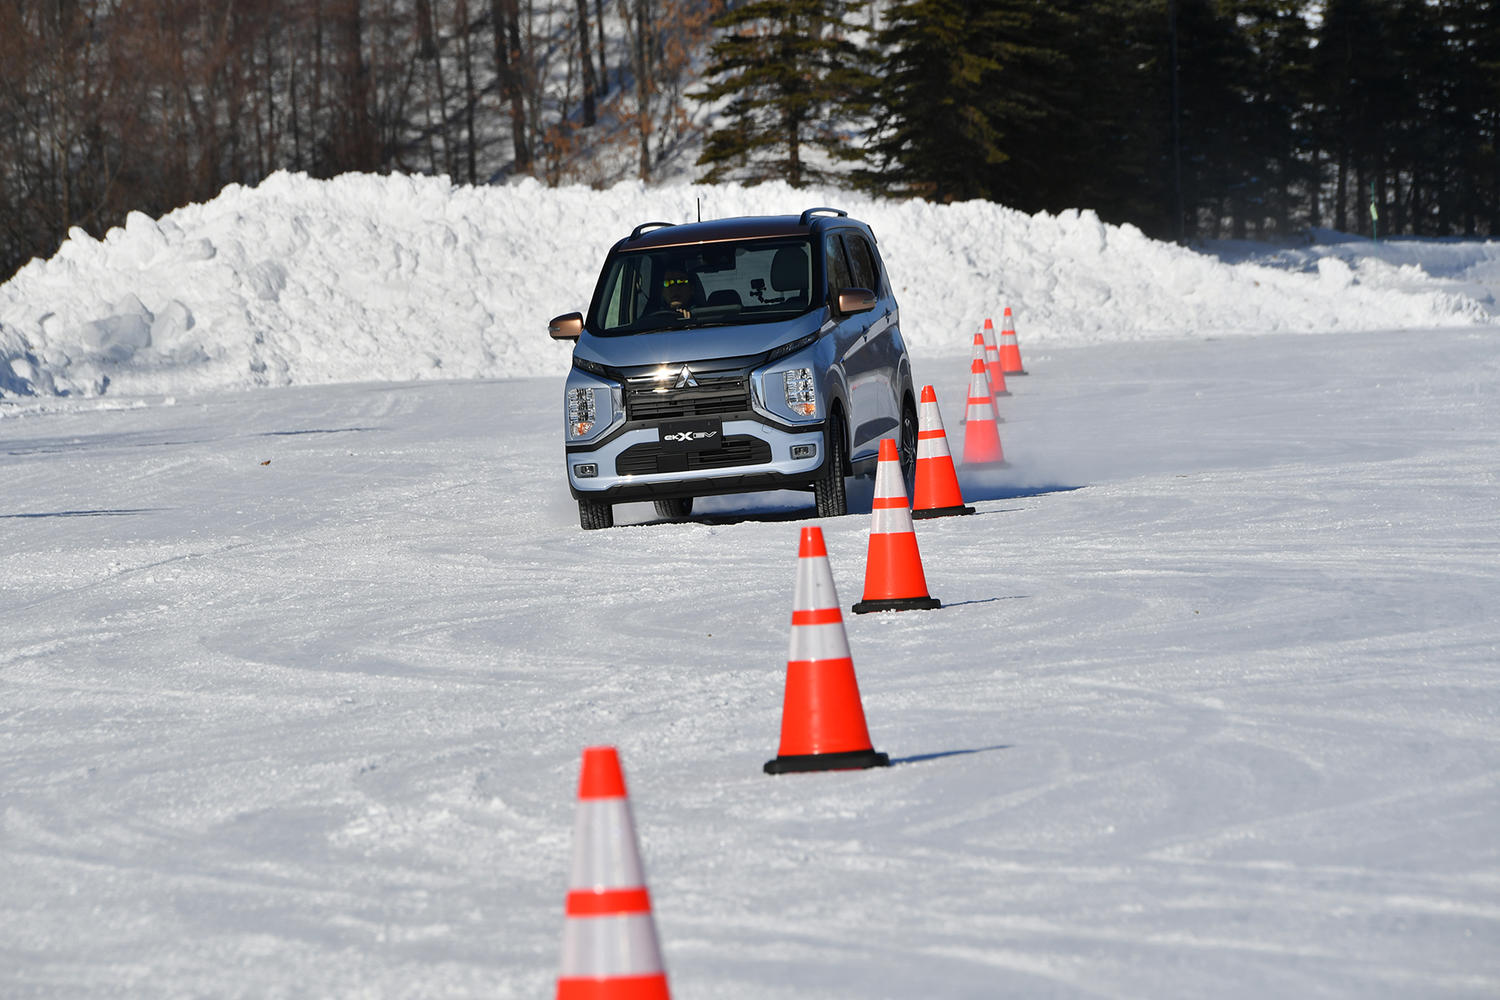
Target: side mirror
[[856, 300], [568, 326]]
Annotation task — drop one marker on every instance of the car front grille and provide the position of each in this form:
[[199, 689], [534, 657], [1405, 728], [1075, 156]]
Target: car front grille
[[652, 399], [651, 458]]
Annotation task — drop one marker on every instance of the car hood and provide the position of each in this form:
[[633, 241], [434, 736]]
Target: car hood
[[703, 344]]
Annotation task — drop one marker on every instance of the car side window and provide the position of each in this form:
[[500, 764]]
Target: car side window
[[835, 267], [629, 293], [862, 263]]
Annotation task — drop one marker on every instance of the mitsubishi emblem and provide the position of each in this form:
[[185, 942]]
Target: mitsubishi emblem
[[685, 379]]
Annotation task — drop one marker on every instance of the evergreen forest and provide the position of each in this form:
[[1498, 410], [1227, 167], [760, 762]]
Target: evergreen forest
[[1191, 119]]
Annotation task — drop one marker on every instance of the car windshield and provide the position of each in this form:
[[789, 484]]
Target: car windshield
[[706, 284]]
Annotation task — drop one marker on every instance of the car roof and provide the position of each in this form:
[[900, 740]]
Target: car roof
[[747, 227]]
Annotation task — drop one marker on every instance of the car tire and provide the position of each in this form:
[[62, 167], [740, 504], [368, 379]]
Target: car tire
[[828, 491], [674, 509], [595, 514], [908, 447]]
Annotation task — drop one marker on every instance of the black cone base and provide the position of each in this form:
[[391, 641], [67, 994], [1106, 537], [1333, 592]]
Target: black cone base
[[849, 760], [1009, 374], [897, 604], [942, 512]]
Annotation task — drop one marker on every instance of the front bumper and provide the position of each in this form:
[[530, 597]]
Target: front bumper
[[754, 456]]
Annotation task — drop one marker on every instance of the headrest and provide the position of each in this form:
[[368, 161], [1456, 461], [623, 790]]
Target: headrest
[[789, 270]]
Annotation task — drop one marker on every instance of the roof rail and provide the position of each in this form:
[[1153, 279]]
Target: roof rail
[[807, 215], [636, 232]]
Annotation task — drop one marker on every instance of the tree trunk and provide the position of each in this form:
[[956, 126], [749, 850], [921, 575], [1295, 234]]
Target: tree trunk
[[603, 63], [507, 29], [1341, 193], [643, 86], [586, 58], [471, 94]]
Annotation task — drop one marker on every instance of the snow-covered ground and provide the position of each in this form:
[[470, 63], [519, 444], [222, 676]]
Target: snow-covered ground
[[293, 682]]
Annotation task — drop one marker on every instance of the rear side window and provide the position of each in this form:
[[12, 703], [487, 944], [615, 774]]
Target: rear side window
[[862, 262], [835, 266]]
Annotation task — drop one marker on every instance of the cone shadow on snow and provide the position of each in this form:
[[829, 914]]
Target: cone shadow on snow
[[332, 430], [59, 446], [121, 512], [985, 600], [921, 757]]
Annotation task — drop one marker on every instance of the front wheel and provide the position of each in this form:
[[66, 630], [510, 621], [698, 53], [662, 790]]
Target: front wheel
[[828, 491], [595, 514], [908, 448], [674, 509]]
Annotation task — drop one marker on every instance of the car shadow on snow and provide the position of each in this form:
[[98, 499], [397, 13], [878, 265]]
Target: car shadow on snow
[[979, 491], [740, 517], [786, 506]]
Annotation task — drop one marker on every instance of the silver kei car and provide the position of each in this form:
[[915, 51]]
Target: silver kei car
[[735, 356]]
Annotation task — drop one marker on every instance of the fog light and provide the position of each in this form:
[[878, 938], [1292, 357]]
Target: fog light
[[586, 470], [804, 450]]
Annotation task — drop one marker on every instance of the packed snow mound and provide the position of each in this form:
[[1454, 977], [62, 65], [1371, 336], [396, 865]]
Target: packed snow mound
[[397, 278]]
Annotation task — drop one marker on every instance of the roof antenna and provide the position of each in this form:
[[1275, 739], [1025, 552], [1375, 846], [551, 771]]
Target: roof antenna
[[699, 202]]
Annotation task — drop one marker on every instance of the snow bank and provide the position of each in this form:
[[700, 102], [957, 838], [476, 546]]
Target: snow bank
[[372, 278]]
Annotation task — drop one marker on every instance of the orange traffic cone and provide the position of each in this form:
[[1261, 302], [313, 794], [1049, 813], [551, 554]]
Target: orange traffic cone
[[980, 354], [1010, 348], [609, 938], [822, 721], [992, 360], [981, 435], [936, 493], [893, 567]]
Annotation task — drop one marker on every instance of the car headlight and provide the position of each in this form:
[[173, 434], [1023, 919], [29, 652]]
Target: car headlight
[[583, 411], [801, 391]]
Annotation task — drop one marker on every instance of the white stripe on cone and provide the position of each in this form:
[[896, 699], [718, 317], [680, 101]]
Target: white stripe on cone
[[889, 485], [818, 642], [991, 349], [981, 404], [609, 947], [604, 854], [936, 445], [814, 596]]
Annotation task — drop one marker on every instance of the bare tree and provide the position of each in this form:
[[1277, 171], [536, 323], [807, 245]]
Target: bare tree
[[587, 64], [465, 28], [506, 21]]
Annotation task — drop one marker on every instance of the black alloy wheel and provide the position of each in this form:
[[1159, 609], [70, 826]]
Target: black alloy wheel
[[908, 447]]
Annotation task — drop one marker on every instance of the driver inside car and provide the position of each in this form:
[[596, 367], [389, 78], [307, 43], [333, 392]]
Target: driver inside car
[[677, 292]]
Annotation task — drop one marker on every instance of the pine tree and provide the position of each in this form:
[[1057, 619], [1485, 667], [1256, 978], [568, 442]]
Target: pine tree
[[1356, 78], [1484, 170], [937, 134], [1093, 113], [790, 71], [1280, 140]]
